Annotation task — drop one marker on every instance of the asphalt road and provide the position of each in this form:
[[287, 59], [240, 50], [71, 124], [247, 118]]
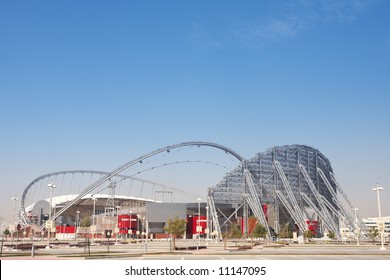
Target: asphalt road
[[162, 250]]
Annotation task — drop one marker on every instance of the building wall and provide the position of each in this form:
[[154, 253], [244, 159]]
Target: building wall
[[373, 222], [157, 214]]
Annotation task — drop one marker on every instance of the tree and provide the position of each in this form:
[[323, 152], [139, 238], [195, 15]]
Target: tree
[[373, 233], [285, 232], [331, 235], [308, 234], [235, 231], [6, 232], [259, 231], [85, 222], [176, 227]]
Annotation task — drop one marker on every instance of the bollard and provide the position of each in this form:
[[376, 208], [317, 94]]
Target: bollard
[[146, 248], [32, 250]]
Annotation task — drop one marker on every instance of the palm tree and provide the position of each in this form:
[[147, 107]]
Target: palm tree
[[373, 233]]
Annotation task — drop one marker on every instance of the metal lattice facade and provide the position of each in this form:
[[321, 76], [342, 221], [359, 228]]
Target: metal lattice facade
[[268, 181]]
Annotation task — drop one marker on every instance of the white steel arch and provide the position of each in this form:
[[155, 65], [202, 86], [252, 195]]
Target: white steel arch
[[139, 160]]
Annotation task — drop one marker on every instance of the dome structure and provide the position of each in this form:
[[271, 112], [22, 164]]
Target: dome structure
[[294, 184]]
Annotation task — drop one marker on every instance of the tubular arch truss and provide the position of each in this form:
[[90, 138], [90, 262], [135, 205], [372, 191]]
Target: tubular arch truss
[[23, 212], [106, 176]]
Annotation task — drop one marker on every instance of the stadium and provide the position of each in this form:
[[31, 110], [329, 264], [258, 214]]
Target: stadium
[[290, 186]]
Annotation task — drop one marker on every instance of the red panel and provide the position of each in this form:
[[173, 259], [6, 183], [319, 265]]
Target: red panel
[[65, 229], [313, 226], [194, 221], [265, 210], [123, 221], [126, 222]]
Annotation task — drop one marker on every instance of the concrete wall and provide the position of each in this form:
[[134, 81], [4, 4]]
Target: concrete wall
[[158, 214]]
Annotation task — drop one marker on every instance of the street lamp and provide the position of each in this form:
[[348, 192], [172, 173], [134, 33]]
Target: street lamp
[[357, 226], [77, 225], [117, 224], [13, 218], [93, 218], [380, 221], [130, 228], [143, 227], [198, 224], [137, 232], [49, 223], [207, 223]]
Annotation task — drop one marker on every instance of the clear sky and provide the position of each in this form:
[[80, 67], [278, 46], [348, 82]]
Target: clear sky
[[94, 84]]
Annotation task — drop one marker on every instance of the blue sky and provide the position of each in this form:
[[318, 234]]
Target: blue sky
[[93, 84]]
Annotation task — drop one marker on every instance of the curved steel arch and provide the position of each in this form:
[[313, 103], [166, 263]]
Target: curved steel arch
[[26, 189], [23, 213], [139, 160]]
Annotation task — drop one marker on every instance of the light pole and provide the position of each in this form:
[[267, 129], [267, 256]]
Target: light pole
[[117, 224], [137, 232], [13, 218], [207, 226], [357, 226], [49, 224], [93, 218], [198, 224], [143, 227], [380, 221], [130, 228], [207, 223], [77, 225]]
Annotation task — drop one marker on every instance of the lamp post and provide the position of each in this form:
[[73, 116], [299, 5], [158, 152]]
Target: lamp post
[[117, 230], [198, 224], [356, 226], [77, 225], [49, 223], [130, 228], [93, 218], [207, 226], [13, 218], [144, 233], [380, 221], [143, 227], [137, 232]]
